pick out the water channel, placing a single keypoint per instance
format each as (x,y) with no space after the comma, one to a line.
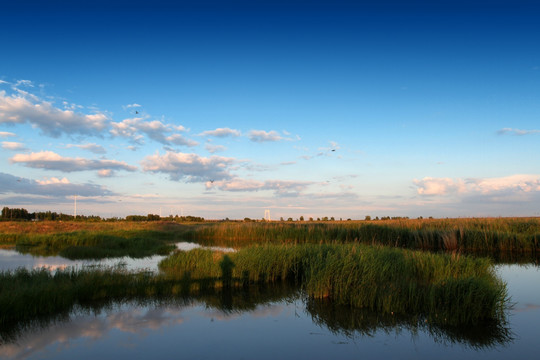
(266,323)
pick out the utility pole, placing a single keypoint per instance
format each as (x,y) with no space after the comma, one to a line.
(267,214)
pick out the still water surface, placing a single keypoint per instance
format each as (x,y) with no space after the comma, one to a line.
(268,324)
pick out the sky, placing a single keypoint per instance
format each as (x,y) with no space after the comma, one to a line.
(305,108)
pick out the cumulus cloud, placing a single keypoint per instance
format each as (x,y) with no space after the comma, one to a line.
(177,139)
(95,148)
(51,161)
(221,132)
(264,136)
(439,186)
(21,108)
(281,187)
(49,187)
(188,167)
(53,180)
(5,134)
(134,128)
(519,132)
(445,186)
(105,173)
(214,148)
(9,145)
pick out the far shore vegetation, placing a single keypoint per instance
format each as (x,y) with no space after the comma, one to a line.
(435,269)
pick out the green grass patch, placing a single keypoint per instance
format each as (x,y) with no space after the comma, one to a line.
(444,288)
(94,244)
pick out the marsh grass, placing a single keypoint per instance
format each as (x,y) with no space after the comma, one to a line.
(464,235)
(33,300)
(338,319)
(444,288)
(94,244)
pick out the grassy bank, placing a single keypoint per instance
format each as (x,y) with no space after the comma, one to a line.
(75,240)
(98,243)
(443,288)
(465,235)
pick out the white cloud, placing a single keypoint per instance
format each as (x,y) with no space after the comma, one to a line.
(5,134)
(51,161)
(518,132)
(439,186)
(188,167)
(50,188)
(53,180)
(177,139)
(105,173)
(26,83)
(133,128)
(523,183)
(214,148)
(263,136)
(95,148)
(281,187)
(9,145)
(18,109)
(446,186)
(133,106)
(221,132)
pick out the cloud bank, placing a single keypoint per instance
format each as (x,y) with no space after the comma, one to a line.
(51,161)
(49,187)
(189,167)
(25,108)
(221,132)
(166,134)
(520,183)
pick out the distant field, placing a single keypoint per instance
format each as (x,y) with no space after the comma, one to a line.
(489,235)
(520,235)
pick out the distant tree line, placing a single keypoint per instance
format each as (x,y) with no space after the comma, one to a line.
(16,214)
(368,218)
(153,217)
(23,214)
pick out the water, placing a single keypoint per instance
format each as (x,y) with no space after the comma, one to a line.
(10,259)
(270,323)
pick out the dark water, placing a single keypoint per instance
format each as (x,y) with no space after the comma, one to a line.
(275,322)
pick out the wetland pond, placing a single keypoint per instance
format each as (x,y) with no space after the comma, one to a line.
(264,322)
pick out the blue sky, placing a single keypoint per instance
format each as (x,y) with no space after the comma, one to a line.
(313,108)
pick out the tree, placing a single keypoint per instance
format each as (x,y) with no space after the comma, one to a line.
(368,218)
(301,218)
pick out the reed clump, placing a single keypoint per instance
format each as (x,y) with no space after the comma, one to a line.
(94,244)
(521,235)
(443,288)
